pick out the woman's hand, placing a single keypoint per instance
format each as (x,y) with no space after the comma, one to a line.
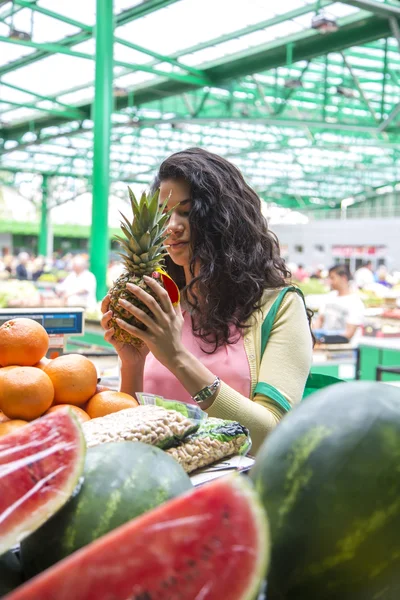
(128,354)
(163,336)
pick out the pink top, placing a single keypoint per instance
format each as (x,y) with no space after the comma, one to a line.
(228,362)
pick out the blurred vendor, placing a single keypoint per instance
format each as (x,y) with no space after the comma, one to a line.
(79,287)
(341,316)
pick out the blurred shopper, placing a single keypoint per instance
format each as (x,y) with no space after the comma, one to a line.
(342,314)
(21,270)
(38,267)
(79,287)
(383,277)
(300,274)
(318,273)
(364,276)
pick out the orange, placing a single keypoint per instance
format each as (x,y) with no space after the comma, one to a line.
(109,402)
(42,363)
(25,393)
(3,417)
(78,412)
(22,342)
(74,378)
(11,426)
(101,388)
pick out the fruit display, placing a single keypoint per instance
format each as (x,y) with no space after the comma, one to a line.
(15,293)
(143,254)
(329,479)
(25,392)
(211,543)
(22,342)
(40,466)
(122,481)
(11,425)
(74,378)
(107,402)
(80,414)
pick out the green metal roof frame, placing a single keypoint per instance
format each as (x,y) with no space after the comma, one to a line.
(300,147)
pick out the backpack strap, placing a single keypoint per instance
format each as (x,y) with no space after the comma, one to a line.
(270,317)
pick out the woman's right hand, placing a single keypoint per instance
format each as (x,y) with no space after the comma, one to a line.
(128,353)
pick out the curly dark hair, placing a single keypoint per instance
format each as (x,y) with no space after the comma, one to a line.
(239,256)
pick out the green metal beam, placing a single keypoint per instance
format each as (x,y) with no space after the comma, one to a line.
(60,49)
(102,111)
(307,45)
(69,114)
(378,8)
(44,215)
(36,95)
(54,15)
(90,29)
(131,14)
(298,12)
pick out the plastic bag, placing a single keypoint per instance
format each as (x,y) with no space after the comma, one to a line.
(191,411)
(214,440)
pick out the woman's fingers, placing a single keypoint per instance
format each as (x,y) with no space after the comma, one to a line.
(162,293)
(106,319)
(136,312)
(139,333)
(105,303)
(147,300)
(108,336)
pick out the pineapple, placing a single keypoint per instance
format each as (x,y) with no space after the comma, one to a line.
(143,254)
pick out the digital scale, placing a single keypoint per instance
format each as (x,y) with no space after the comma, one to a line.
(58,322)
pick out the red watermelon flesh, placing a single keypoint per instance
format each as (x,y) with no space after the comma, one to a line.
(40,466)
(209,544)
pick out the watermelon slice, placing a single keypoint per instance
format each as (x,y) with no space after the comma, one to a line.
(208,544)
(40,466)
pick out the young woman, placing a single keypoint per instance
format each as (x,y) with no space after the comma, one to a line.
(228,267)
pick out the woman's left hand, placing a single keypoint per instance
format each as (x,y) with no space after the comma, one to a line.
(163,336)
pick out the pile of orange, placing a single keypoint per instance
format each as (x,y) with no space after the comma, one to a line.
(31,385)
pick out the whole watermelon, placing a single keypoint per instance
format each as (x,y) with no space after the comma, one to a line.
(10,573)
(122,481)
(329,477)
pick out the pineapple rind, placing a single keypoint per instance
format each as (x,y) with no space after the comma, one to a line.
(119,291)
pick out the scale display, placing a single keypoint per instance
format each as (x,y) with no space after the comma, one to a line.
(55,323)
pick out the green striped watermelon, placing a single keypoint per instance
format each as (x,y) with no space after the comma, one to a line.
(122,481)
(10,573)
(211,543)
(329,477)
(40,466)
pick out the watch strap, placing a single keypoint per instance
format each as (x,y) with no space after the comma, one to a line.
(207,391)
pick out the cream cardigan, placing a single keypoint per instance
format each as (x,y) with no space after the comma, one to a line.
(283,369)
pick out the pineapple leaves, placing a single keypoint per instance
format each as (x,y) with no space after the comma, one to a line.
(153,204)
(145,241)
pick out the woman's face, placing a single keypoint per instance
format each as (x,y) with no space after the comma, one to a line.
(178,240)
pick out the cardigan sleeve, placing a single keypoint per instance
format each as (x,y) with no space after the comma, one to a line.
(283,373)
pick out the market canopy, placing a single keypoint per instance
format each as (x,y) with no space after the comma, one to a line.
(303,96)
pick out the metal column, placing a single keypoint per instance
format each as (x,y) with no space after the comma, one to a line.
(44,215)
(102,110)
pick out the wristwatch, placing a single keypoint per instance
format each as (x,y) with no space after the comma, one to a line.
(207,391)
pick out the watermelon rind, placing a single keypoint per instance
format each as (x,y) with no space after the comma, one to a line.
(122,480)
(10,573)
(263,550)
(60,495)
(211,543)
